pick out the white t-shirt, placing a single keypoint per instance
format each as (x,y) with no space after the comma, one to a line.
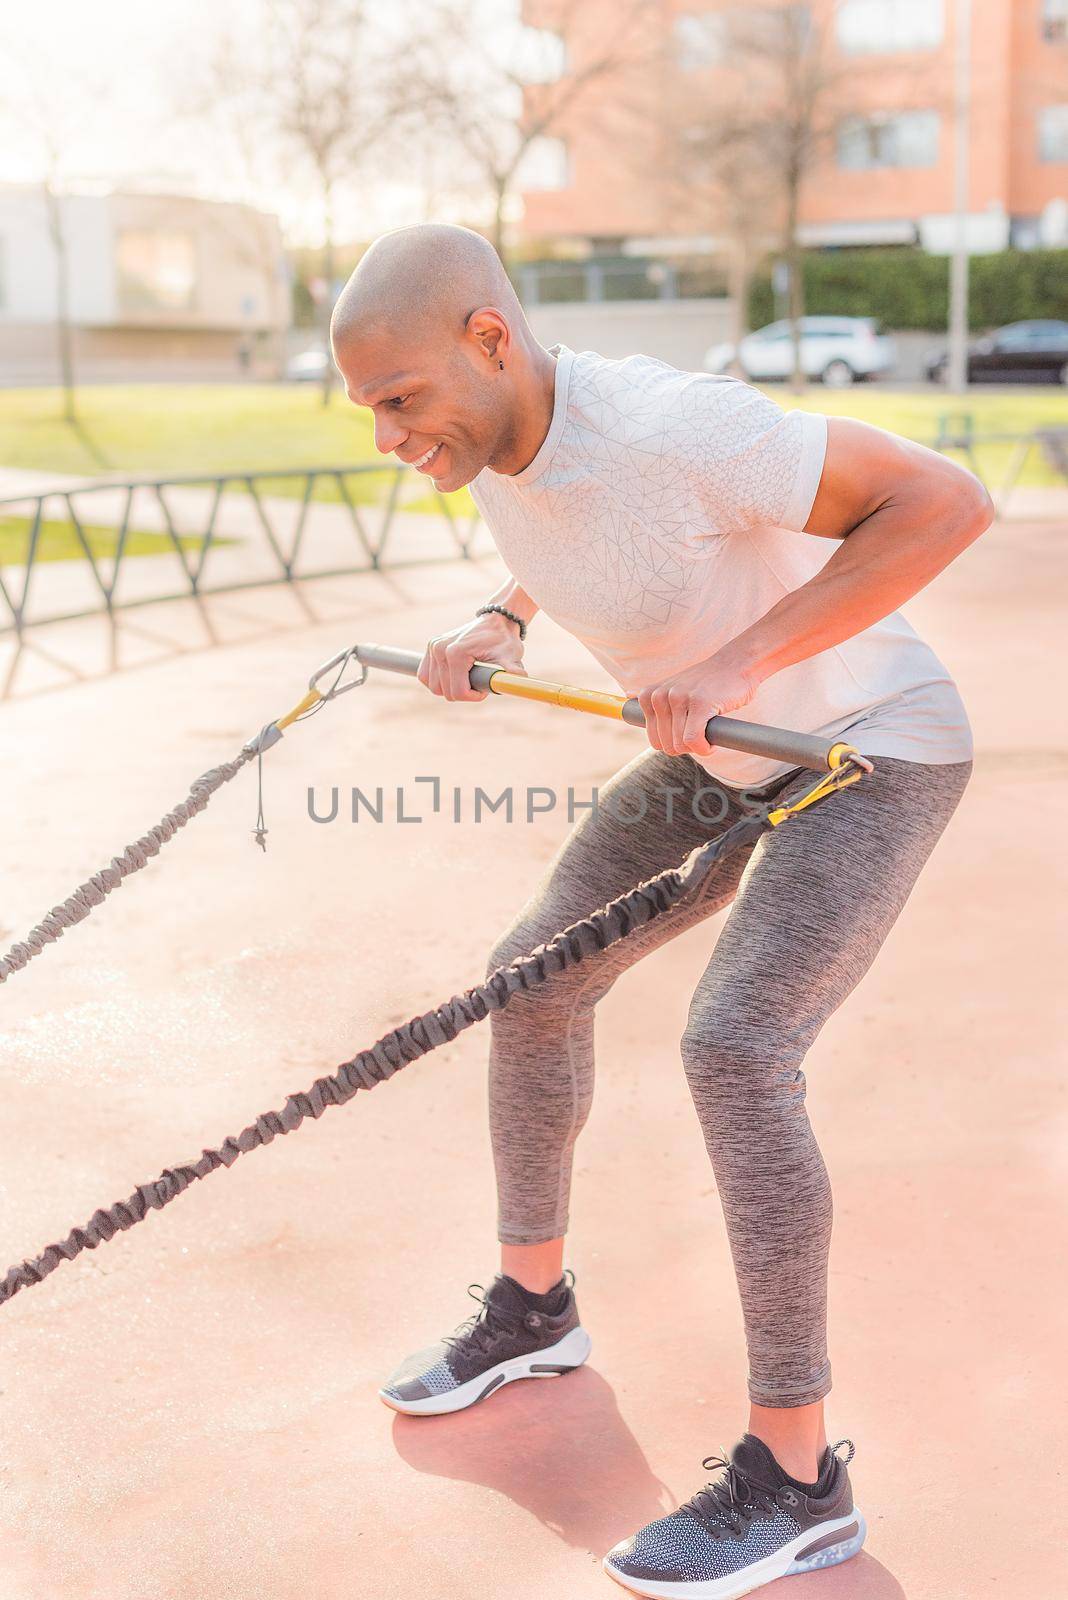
(662,516)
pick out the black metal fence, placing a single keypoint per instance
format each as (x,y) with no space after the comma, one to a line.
(200,518)
(257,504)
(957,434)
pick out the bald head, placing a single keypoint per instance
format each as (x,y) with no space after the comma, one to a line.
(428,333)
(422,282)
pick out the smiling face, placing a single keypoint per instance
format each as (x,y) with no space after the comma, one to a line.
(440,404)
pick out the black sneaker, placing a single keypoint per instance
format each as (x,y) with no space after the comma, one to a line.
(753,1525)
(515,1335)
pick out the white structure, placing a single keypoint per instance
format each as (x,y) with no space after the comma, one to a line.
(154,282)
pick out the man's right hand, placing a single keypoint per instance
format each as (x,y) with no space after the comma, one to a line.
(447,661)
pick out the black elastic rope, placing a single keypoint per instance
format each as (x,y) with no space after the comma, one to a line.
(137,855)
(411,1040)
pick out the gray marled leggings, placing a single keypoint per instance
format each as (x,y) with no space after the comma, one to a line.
(813,901)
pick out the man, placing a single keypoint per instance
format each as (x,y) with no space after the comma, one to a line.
(712,552)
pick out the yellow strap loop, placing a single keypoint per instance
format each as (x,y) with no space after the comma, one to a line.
(846,771)
(310,699)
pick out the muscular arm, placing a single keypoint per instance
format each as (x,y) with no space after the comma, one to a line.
(900,512)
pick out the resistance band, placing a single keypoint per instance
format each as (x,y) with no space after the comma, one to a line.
(839,763)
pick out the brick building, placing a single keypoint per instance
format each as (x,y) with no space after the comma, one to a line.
(606,179)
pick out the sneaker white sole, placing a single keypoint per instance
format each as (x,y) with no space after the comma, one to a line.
(568,1352)
(811,1550)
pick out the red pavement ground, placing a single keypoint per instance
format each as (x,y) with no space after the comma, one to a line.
(190,1411)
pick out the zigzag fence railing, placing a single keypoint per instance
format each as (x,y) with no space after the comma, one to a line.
(955,435)
(194,534)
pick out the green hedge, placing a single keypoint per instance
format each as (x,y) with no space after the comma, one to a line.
(910,289)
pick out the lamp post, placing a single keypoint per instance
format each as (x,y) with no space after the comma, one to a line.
(958,273)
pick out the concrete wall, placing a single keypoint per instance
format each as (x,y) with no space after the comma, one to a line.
(28,259)
(240,279)
(232,322)
(29,354)
(239,268)
(678,331)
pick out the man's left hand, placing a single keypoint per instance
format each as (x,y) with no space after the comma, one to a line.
(678,708)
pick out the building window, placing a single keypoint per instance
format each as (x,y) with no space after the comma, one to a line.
(1055,21)
(545,164)
(541,56)
(157,271)
(712,38)
(1053,133)
(880,27)
(892,139)
(700,40)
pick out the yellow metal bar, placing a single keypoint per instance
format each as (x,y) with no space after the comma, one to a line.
(310,699)
(558,694)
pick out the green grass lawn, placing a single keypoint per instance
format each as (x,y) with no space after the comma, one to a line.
(916,414)
(175,429)
(162,430)
(58,542)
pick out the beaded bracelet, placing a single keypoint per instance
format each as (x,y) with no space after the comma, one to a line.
(521,625)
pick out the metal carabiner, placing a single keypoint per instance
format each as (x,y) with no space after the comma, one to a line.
(340,660)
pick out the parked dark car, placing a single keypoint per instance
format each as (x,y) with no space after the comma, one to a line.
(1022,352)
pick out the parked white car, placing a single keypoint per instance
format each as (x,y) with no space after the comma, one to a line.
(308,367)
(837,349)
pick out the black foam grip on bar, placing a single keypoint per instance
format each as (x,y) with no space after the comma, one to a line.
(777,744)
(756,739)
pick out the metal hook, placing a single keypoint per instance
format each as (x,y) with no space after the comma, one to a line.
(341,660)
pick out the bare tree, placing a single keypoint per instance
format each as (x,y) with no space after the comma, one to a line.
(732,197)
(40,117)
(501,86)
(216,89)
(64,341)
(791,128)
(324,88)
(745,124)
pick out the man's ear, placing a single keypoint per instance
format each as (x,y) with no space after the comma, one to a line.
(490,332)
